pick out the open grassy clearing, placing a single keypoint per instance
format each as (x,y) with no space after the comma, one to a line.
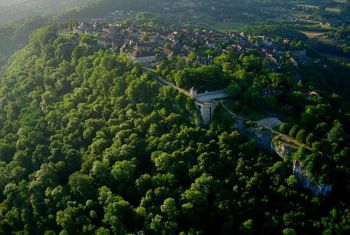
(336,58)
(324,44)
(231,26)
(333,10)
(307,6)
(313,34)
(328,41)
(303,15)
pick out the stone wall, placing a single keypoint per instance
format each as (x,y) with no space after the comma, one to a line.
(207,111)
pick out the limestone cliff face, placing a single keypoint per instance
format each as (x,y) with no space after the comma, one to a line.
(283,150)
(305,178)
(266,140)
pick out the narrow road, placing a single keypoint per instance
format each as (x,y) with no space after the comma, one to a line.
(285,137)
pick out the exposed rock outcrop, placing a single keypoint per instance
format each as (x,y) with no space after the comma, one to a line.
(267,140)
(305,177)
(283,150)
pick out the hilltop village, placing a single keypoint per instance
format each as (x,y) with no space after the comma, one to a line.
(204,60)
(151,45)
(167,49)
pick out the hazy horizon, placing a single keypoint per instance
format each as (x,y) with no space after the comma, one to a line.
(12,10)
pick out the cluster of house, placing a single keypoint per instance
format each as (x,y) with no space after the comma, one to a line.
(151,45)
(276,51)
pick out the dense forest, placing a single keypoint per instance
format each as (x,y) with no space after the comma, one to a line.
(90,144)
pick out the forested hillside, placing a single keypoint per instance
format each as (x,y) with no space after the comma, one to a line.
(92,145)
(18,19)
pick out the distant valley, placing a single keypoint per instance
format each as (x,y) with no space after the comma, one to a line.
(20,9)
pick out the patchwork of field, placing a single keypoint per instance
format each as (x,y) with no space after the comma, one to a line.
(231,26)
